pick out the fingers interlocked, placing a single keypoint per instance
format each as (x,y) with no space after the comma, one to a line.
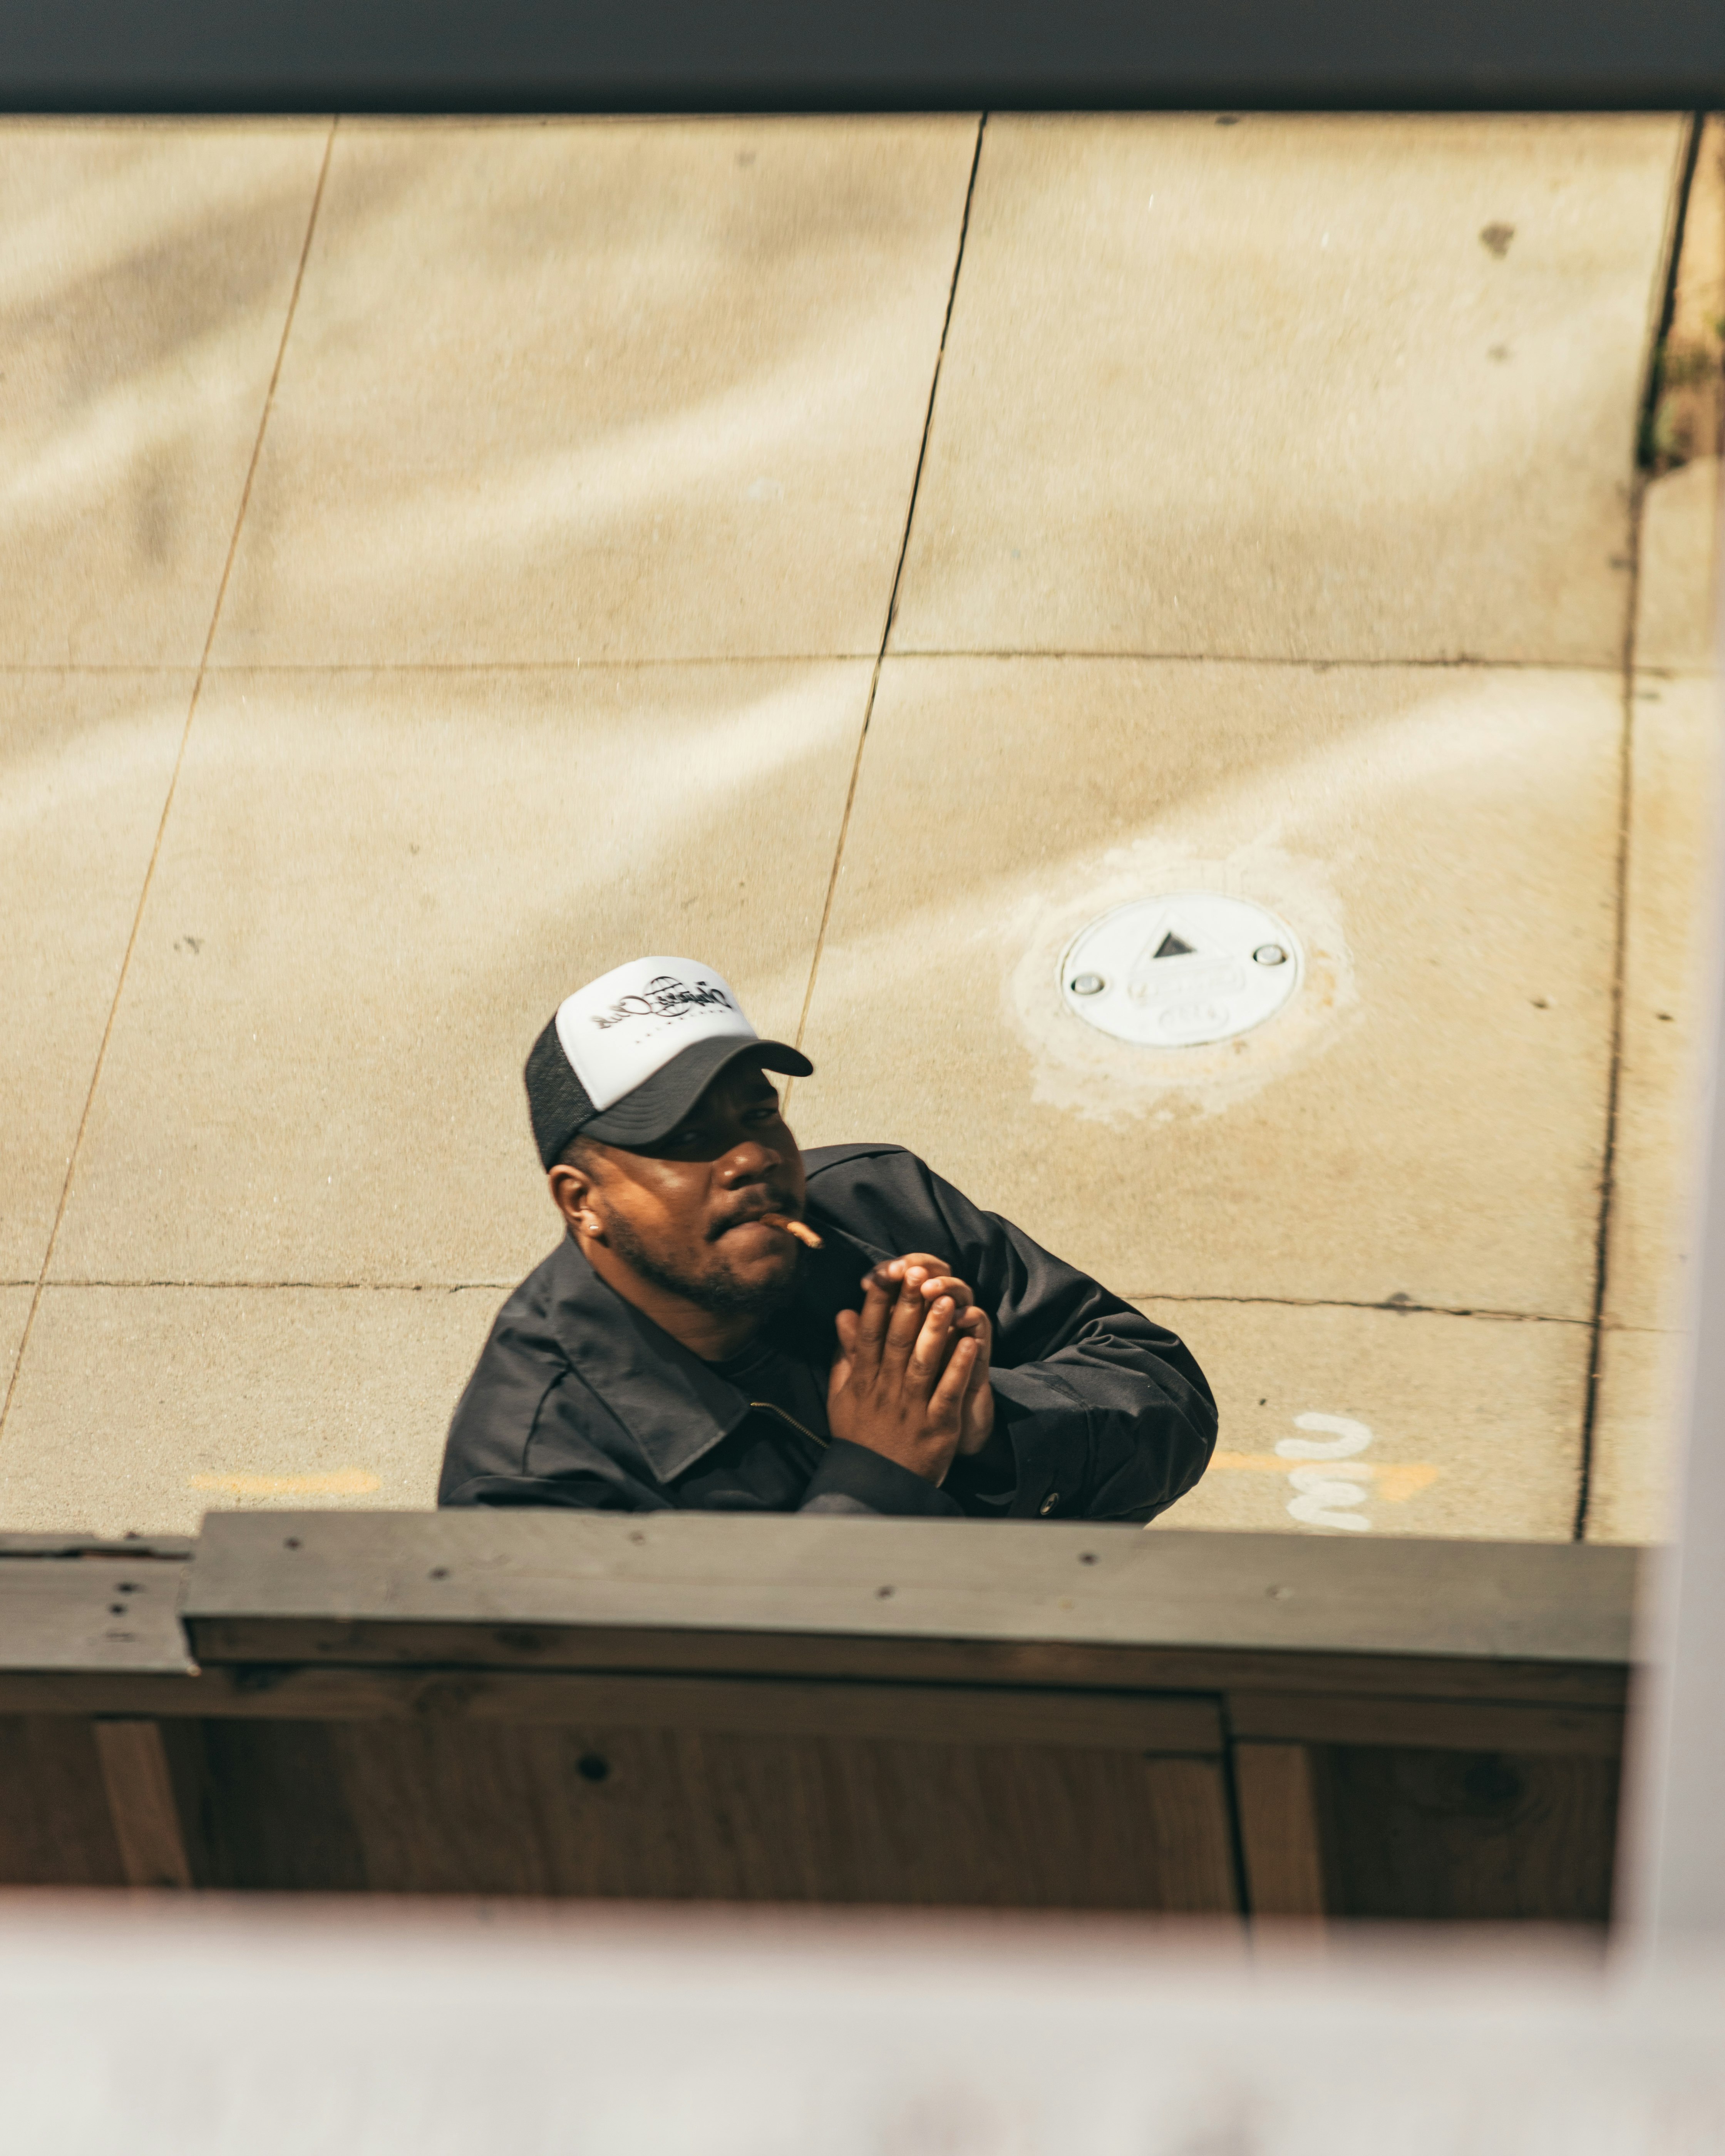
(905,1364)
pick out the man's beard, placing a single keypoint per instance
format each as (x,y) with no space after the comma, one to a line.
(715,1289)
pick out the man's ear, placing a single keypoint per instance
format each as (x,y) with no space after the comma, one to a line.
(573,1192)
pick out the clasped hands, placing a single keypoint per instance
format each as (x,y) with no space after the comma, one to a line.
(910,1378)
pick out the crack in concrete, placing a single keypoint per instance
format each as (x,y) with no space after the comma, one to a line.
(1398,1305)
(1468,662)
(1683,182)
(879,656)
(201,675)
(321,1286)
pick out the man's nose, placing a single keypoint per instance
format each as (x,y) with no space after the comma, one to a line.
(748,1160)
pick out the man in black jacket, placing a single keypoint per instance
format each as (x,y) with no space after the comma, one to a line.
(730,1325)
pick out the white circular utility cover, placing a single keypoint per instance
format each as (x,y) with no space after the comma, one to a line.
(1177,971)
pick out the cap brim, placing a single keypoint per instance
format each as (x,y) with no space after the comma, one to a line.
(659,1103)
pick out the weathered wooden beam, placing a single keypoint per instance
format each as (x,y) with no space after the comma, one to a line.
(92,1612)
(1026,1604)
(1435,1725)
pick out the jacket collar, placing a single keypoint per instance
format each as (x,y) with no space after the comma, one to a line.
(674,1406)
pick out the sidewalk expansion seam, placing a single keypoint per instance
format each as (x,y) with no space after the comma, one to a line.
(1396,1308)
(904,548)
(318,1287)
(1471,661)
(245,495)
(1684,181)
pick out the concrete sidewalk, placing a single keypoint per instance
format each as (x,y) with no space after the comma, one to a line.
(445,559)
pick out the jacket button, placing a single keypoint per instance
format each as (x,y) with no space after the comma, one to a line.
(1049,1501)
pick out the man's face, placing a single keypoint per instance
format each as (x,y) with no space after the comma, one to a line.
(684,1213)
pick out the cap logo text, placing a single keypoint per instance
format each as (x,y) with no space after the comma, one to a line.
(664,996)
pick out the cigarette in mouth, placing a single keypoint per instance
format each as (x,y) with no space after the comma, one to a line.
(804,1235)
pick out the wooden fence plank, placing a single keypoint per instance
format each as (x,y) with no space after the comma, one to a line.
(1281,1829)
(695,1815)
(1484,1837)
(144,1804)
(55,1829)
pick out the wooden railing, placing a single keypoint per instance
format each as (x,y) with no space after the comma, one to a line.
(837,1710)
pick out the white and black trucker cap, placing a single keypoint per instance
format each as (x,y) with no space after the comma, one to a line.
(627,1056)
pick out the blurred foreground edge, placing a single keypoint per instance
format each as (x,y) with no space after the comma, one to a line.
(221,2025)
(767,55)
(781,1711)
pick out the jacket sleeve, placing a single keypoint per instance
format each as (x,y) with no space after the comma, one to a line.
(528,1432)
(1107,1415)
(852,1478)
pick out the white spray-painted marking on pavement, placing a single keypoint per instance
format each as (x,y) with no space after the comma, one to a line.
(1324,1492)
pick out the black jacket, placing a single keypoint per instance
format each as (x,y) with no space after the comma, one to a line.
(579,1399)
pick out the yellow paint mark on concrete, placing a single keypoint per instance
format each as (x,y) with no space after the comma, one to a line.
(345,1482)
(1394,1481)
(1398,1479)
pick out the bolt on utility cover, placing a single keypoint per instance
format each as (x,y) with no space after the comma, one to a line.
(1181,970)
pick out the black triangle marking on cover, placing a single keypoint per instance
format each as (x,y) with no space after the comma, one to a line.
(1172,946)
